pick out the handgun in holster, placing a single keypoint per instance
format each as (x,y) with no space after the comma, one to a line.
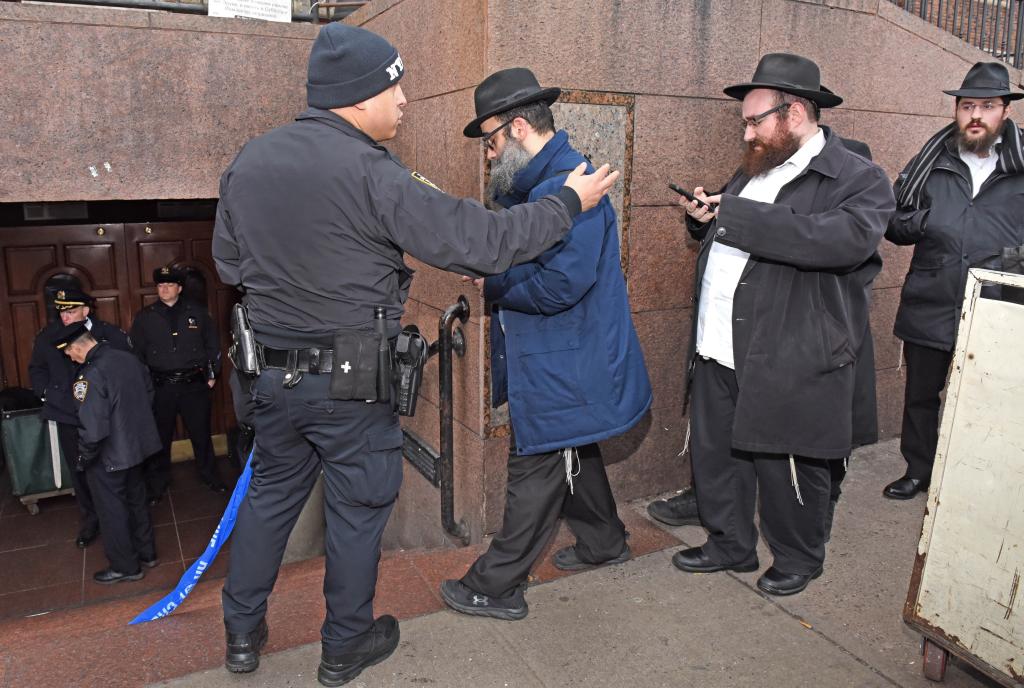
(242,351)
(411,353)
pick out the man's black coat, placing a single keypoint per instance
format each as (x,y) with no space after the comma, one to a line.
(801,335)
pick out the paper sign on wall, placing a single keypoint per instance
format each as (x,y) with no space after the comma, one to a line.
(269,10)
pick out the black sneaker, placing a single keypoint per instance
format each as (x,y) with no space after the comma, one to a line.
(566,559)
(680,510)
(110,576)
(372,647)
(243,649)
(463,599)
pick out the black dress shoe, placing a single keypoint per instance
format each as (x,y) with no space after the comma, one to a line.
(775,582)
(243,651)
(566,559)
(905,488)
(216,486)
(86,538)
(372,647)
(110,576)
(695,560)
(680,510)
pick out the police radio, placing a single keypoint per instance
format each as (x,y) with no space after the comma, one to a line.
(411,353)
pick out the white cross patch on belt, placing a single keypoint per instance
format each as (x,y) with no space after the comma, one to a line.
(345,367)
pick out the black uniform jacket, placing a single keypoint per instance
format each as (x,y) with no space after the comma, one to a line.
(801,337)
(115,398)
(181,337)
(52,372)
(952,232)
(314,218)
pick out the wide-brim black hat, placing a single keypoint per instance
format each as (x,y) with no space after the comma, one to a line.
(986,80)
(788,73)
(504,90)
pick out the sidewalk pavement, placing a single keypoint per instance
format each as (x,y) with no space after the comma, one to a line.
(644,623)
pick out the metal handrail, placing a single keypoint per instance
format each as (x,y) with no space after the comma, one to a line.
(995,26)
(202,8)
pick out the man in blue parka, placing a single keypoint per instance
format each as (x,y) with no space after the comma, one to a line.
(564,355)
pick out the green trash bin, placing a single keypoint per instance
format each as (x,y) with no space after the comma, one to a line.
(35,464)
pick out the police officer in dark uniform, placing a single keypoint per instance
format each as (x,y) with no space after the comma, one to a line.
(51,373)
(312,224)
(117,432)
(177,340)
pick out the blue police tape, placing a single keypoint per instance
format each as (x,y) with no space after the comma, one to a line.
(188,581)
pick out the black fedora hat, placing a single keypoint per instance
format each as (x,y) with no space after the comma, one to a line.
(986,80)
(503,91)
(791,74)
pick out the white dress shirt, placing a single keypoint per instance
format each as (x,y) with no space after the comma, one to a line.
(981,168)
(725,263)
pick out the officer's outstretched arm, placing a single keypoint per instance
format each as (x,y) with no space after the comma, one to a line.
(462,235)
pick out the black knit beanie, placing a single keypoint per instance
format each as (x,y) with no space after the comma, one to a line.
(348,65)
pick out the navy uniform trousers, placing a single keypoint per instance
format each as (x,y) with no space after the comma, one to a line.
(120,498)
(727,481)
(88,522)
(299,432)
(536,495)
(193,400)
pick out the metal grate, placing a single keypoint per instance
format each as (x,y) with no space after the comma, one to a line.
(995,26)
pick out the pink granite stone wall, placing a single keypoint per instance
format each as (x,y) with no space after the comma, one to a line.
(168,99)
(165,99)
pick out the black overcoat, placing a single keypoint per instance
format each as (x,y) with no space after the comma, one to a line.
(801,334)
(951,233)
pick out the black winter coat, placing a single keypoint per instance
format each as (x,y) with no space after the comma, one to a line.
(52,372)
(801,336)
(951,233)
(115,397)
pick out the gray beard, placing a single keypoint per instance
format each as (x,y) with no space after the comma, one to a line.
(505,168)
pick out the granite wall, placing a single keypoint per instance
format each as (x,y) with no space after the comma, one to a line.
(168,99)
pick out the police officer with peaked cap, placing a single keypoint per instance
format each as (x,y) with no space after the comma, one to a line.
(113,392)
(177,340)
(51,373)
(313,221)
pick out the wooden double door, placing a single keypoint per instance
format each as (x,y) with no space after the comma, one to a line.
(114,263)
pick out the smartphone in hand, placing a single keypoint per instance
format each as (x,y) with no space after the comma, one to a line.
(689,196)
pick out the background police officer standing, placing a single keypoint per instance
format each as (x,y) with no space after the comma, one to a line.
(51,373)
(117,432)
(177,340)
(312,224)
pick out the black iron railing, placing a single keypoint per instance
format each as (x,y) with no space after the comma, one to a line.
(318,13)
(995,26)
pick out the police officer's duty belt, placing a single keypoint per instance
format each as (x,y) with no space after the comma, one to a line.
(315,361)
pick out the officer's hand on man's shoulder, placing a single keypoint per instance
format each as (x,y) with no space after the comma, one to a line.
(591,188)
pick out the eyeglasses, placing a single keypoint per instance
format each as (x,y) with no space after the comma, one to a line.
(986,107)
(756,120)
(488,141)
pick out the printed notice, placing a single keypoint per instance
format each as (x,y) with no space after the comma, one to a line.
(269,10)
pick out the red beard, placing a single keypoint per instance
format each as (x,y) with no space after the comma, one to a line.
(762,154)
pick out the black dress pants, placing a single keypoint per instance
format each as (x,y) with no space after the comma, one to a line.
(927,370)
(120,498)
(190,400)
(88,522)
(535,496)
(727,482)
(299,433)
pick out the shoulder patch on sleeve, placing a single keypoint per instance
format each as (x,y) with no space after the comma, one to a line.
(423,180)
(79,390)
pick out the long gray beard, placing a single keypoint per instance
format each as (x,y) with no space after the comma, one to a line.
(505,168)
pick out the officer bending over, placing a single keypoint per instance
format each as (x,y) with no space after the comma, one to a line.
(313,221)
(117,433)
